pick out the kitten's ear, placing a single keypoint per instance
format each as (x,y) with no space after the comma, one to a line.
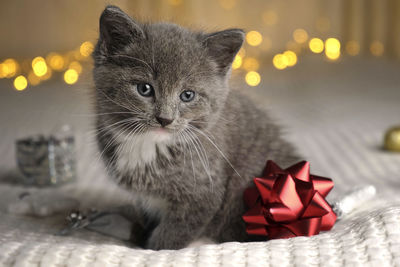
(117,29)
(222,47)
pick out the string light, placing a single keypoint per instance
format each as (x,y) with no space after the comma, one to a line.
(316,45)
(237,62)
(253,78)
(20,83)
(280,61)
(86,49)
(376,48)
(47,76)
(71,76)
(251,64)
(9,68)
(254,38)
(300,36)
(33,79)
(55,61)
(39,66)
(291,58)
(332,48)
(352,48)
(75,65)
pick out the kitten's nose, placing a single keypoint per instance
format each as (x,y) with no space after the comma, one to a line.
(164,121)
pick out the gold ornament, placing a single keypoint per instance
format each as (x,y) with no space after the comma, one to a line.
(392,139)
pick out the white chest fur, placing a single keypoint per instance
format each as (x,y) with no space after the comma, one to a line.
(140,150)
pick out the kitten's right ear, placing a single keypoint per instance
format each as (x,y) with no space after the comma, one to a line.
(117,29)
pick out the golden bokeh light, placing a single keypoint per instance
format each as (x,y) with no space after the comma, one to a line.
(332,48)
(86,49)
(251,64)
(254,38)
(33,79)
(9,68)
(20,83)
(39,66)
(291,58)
(253,78)
(71,76)
(227,4)
(75,65)
(237,62)
(316,45)
(352,48)
(280,61)
(55,61)
(300,36)
(270,17)
(377,48)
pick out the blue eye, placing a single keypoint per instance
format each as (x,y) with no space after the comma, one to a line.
(187,96)
(145,89)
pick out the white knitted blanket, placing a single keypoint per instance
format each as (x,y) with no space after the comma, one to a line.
(337,122)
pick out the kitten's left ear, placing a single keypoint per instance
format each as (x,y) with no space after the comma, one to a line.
(222,47)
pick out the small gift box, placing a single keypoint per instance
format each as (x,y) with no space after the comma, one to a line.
(47,161)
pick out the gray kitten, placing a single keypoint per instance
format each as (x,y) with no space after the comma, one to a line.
(173,133)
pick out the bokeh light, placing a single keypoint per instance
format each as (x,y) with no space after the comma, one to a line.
(55,61)
(86,49)
(9,68)
(291,58)
(71,76)
(20,83)
(316,45)
(39,66)
(227,4)
(332,48)
(254,38)
(75,65)
(352,48)
(280,61)
(300,36)
(33,79)
(377,48)
(237,62)
(251,64)
(270,17)
(253,78)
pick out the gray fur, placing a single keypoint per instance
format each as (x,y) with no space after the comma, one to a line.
(189,182)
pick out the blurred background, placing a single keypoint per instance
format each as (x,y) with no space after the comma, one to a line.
(42,40)
(327,70)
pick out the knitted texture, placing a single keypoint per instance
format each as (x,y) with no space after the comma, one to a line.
(337,124)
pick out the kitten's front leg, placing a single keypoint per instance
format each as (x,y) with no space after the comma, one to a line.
(180,227)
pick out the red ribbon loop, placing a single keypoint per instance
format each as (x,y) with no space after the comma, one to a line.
(288,203)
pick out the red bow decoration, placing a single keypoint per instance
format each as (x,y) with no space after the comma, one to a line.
(288,203)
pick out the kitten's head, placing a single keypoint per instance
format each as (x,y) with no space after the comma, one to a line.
(161,78)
